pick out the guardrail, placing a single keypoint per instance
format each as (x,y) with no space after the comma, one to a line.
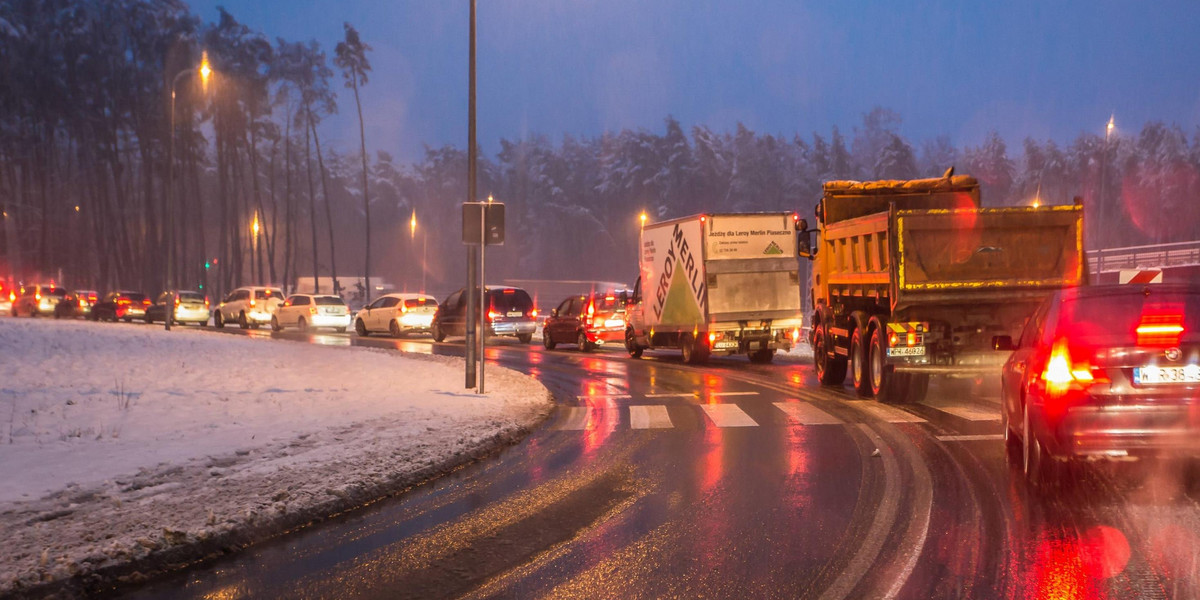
(1144,257)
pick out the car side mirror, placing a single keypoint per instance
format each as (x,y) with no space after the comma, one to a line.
(554,312)
(1003,343)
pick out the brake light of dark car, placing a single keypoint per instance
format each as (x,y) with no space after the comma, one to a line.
(491,315)
(145,302)
(82,303)
(91,298)
(1160,330)
(533,313)
(123,301)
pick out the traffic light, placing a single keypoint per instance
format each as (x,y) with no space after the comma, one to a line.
(206,265)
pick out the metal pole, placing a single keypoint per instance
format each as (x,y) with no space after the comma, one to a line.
(169,311)
(483,325)
(471,197)
(469,316)
(424,253)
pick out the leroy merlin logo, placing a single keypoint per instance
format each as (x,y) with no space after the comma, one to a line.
(773,248)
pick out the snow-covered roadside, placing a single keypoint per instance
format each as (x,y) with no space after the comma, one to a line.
(126,448)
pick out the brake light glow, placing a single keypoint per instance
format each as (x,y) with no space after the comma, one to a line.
(403,307)
(492,315)
(893,339)
(795,335)
(1062,371)
(1160,330)
(712,337)
(38,296)
(145,302)
(912,339)
(591,310)
(176,301)
(533,313)
(251,300)
(206,302)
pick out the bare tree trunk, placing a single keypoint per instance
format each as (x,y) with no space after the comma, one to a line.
(328,210)
(312,203)
(362,138)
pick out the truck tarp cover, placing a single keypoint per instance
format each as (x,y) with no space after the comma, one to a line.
(989,248)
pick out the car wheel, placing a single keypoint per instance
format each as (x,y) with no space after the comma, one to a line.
(438,334)
(218,319)
(860,369)
(275,323)
(394,329)
(1035,464)
(524,338)
(302,325)
(243,322)
(1012,443)
(831,370)
(583,343)
(631,345)
(547,341)
(361,328)
(128,319)
(762,356)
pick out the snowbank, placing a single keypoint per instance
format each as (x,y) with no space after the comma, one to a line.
(127,447)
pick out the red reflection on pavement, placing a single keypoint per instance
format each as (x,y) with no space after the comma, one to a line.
(1076,567)
(602,417)
(798,484)
(712,464)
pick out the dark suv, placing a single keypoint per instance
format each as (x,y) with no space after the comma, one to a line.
(587,321)
(509,312)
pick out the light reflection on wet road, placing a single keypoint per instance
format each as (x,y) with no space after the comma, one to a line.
(657,479)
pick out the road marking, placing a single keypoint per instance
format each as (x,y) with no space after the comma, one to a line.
(964,410)
(604,397)
(574,419)
(673,395)
(886,413)
(728,415)
(807,414)
(649,417)
(719,394)
(971,438)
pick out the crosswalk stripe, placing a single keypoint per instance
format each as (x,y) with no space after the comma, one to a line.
(807,414)
(971,438)
(728,415)
(720,394)
(673,395)
(649,417)
(575,418)
(886,413)
(968,411)
(604,397)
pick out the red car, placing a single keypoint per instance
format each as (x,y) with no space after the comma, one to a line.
(1104,372)
(586,321)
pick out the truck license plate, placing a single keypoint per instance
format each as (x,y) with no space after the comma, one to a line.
(907,351)
(725,345)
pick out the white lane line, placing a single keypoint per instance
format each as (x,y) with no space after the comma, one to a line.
(728,415)
(604,397)
(971,438)
(913,542)
(649,417)
(719,394)
(965,410)
(886,413)
(673,395)
(807,414)
(575,419)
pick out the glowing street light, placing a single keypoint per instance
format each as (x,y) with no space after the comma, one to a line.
(254,228)
(412,224)
(1109,128)
(642,217)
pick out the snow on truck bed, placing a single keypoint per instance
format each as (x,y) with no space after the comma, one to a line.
(121,443)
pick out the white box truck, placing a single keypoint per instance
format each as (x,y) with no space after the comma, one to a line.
(721,283)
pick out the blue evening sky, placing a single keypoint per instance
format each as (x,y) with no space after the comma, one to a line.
(1047,69)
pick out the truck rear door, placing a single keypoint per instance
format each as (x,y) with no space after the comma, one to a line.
(752,267)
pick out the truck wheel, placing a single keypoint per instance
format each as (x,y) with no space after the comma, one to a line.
(831,370)
(860,369)
(631,346)
(693,352)
(886,386)
(762,357)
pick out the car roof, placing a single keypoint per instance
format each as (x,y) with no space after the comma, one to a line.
(408,296)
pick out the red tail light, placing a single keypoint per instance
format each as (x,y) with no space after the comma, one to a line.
(38,296)
(177,301)
(1064,372)
(206,302)
(492,315)
(533,313)
(403,307)
(251,300)
(82,303)
(123,302)
(145,302)
(91,298)
(796,335)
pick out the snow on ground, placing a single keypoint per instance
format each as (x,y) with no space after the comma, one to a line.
(124,445)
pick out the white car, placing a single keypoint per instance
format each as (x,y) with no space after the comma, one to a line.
(311,310)
(249,307)
(396,314)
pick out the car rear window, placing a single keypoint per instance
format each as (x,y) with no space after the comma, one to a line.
(264,294)
(190,296)
(511,300)
(420,302)
(135,297)
(58,292)
(329,301)
(1114,319)
(608,303)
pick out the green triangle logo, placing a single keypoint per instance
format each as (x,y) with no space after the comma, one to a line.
(680,307)
(773,248)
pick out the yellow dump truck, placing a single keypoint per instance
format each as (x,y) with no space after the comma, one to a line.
(914,278)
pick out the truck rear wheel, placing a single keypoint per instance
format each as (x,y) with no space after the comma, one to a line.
(860,368)
(831,370)
(631,345)
(694,352)
(762,357)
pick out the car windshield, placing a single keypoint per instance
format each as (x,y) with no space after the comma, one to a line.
(329,301)
(511,300)
(1130,319)
(264,294)
(420,302)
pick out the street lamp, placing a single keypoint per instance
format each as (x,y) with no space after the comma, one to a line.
(205,72)
(1103,204)
(642,217)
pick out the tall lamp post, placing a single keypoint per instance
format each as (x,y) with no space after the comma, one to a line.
(1104,208)
(205,72)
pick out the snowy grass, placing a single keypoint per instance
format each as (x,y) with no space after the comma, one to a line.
(126,443)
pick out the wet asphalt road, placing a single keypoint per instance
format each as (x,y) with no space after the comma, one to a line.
(655,479)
